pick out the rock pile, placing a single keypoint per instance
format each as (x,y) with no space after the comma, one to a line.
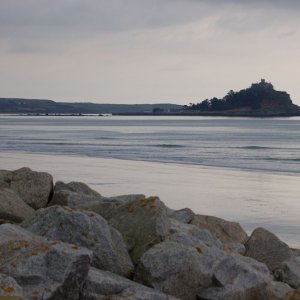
(69,242)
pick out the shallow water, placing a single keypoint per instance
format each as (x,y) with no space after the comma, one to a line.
(258,144)
(238,169)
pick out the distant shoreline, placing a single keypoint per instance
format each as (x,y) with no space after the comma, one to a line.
(165,114)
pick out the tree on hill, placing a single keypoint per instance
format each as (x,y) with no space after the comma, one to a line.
(259,96)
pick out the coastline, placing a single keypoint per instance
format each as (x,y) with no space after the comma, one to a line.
(251,198)
(164,114)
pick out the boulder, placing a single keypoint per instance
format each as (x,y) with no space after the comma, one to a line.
(238,277)
(225,231)
(44,270)
(143,223)
(267,248)
(84,229)
(77,187)
(106,205)
(72,194)
(9,287)
(278,291)
(289,272)
(296,254)
(107,285)
(176,269)
(235,248)
(294,295)
(5,178)
(12,207)
(79,195)
(191,235)
(34,188)
(184,215)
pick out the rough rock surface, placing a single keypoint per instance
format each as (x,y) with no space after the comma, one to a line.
(176,269)
(109,285)
(277,291)
(9,287)
(12,207)
(106,206)
(235,248)
(33,187)
(184,215)
(238,277)
(72,194)
(5,178)
(225,231)
(289,272)
(84,229)
(267,248)
(79,195)
(191,235)
(45,270)
(294,295)
(143,223)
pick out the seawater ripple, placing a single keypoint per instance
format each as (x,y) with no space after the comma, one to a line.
(260,144)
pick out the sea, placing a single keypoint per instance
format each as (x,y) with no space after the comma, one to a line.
(240,169)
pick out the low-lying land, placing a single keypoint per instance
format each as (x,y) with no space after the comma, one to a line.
(66,241)
(259,100)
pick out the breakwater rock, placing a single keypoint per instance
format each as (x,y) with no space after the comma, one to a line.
(67,241)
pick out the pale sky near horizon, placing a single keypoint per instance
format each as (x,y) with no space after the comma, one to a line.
(146,51)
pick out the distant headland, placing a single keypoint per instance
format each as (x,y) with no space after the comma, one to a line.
(259,100)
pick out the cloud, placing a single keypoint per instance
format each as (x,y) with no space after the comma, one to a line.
(36,19)
(141,50)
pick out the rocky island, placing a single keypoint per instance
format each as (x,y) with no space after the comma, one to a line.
(67,241)
(261,99)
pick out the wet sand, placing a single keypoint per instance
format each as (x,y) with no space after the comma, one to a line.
(252,198)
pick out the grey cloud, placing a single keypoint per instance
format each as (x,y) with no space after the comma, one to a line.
(77,17)
(94,15)
(26,24)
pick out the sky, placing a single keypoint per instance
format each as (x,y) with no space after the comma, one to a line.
(147,51)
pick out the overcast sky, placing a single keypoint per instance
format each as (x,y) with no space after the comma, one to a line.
(146,51)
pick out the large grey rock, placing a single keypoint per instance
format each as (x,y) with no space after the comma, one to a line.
(294,295)
(238,278)
(289,272)
(73,194)
(191,235)
(276,290)
(9,287)
(79,195)
(107,285)
(12,207)
(267,248)
(107,205)
(184,215)
(143,223)
(235,248)
(177,269)
(33,187)
(84,229)
(295,252)
(5,178)
(45,270)
(225,231)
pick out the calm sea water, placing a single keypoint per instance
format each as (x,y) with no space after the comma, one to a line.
(240,169)
(259,144)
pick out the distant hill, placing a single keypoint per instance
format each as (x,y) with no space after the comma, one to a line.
(35,106)
(259,99)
